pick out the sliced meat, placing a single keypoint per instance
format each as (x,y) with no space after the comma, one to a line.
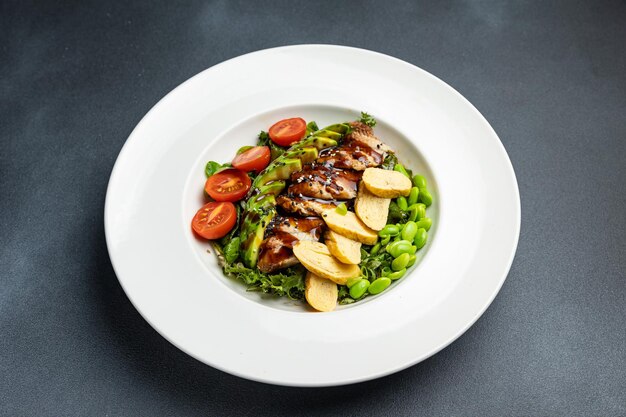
(280,235)
(365,134)
(304,206)
(319,181)
(359,150)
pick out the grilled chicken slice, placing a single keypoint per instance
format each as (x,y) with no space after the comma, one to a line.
(360,149)
(304,206)
(319,181)
(365,134)
(276,250)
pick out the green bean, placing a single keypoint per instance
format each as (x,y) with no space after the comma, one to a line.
(426,197)
(425,223)
(397,275)
(412,259)
(378,285)
(389,230)
(402,203)
(398,248)
(358,288)
(353,281)
(400,168)
(342,209)
(419,181)
(420,238)
(385,271)
(409,230)
(375,249)
(400,262)
(415,192)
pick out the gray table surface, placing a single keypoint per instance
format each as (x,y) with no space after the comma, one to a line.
(76,77)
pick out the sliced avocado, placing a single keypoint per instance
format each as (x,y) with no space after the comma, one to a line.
(318,142)
(252,232)
(342,128)
(329,134)
(305,155)
(280,169)
(273,187)
(261,201)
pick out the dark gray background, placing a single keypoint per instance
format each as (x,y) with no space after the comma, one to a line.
(76,77)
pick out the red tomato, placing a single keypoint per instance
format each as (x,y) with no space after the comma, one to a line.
(254,159)
(227,185)
(288,131)
(214,220)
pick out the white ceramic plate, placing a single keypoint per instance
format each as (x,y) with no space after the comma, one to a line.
(156,187)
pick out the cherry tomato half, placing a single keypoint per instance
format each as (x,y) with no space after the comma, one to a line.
(227,185)
(254,159)
(288,131)
(214,220)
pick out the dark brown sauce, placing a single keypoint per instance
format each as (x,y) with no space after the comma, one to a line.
(333,171)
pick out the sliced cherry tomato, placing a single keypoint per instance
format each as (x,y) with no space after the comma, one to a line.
(254,159)
(288,131)
(214,220)
(227,185)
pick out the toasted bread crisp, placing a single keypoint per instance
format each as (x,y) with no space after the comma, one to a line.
(350,226)
(320,293)
(317,258)
(385,183)
(372,210)
(346,250)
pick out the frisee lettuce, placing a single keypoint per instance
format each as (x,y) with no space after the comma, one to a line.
(367,119)
(289,281)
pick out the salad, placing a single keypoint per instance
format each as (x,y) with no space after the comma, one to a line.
(323,215)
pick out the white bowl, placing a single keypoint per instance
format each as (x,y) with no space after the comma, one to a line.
(156,188)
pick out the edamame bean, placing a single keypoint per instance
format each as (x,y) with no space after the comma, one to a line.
(402,203)
(425,196)
(353,281)
(413,250)
(400,262)
(420,238)
(389,230)
(417,212)
(397,275)
(385,240)
(379,285)
(421,211)
(400,168)
(419,181)
(415,192)
(409,230)
(398,248)
(412,259)
(375,249)
(425,223)
(358,289)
